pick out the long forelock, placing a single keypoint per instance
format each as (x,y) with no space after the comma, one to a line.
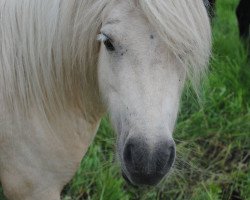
(185,28)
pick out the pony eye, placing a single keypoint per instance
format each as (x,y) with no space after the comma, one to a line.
(107,42)
(109,46)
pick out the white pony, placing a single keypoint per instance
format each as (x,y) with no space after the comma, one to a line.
(65,63)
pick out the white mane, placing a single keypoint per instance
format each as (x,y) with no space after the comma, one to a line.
(49,50)
(182,26)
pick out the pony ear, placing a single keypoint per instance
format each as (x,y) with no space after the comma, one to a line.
(210,6)
(206,3)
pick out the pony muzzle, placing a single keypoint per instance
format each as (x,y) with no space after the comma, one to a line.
(146,164)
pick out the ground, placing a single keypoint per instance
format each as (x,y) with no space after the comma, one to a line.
(213,135)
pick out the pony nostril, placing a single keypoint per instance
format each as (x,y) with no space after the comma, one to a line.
(135,155)
(172,155)
(128,154)
(165,158)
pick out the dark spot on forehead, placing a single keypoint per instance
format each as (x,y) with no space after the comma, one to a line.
(151,36)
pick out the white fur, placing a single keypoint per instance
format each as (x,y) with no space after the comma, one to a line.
(53,92)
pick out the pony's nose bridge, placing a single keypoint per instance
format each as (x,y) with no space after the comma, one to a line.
(140,157)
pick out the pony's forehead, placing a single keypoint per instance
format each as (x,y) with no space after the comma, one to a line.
(117,10)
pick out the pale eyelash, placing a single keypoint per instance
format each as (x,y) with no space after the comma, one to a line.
(102,38)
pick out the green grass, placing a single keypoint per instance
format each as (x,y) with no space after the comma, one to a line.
(213,140)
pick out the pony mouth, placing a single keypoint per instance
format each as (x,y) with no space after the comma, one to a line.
(143,181)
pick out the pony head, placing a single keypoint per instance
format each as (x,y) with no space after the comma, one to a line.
(148,48)
(53,64)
